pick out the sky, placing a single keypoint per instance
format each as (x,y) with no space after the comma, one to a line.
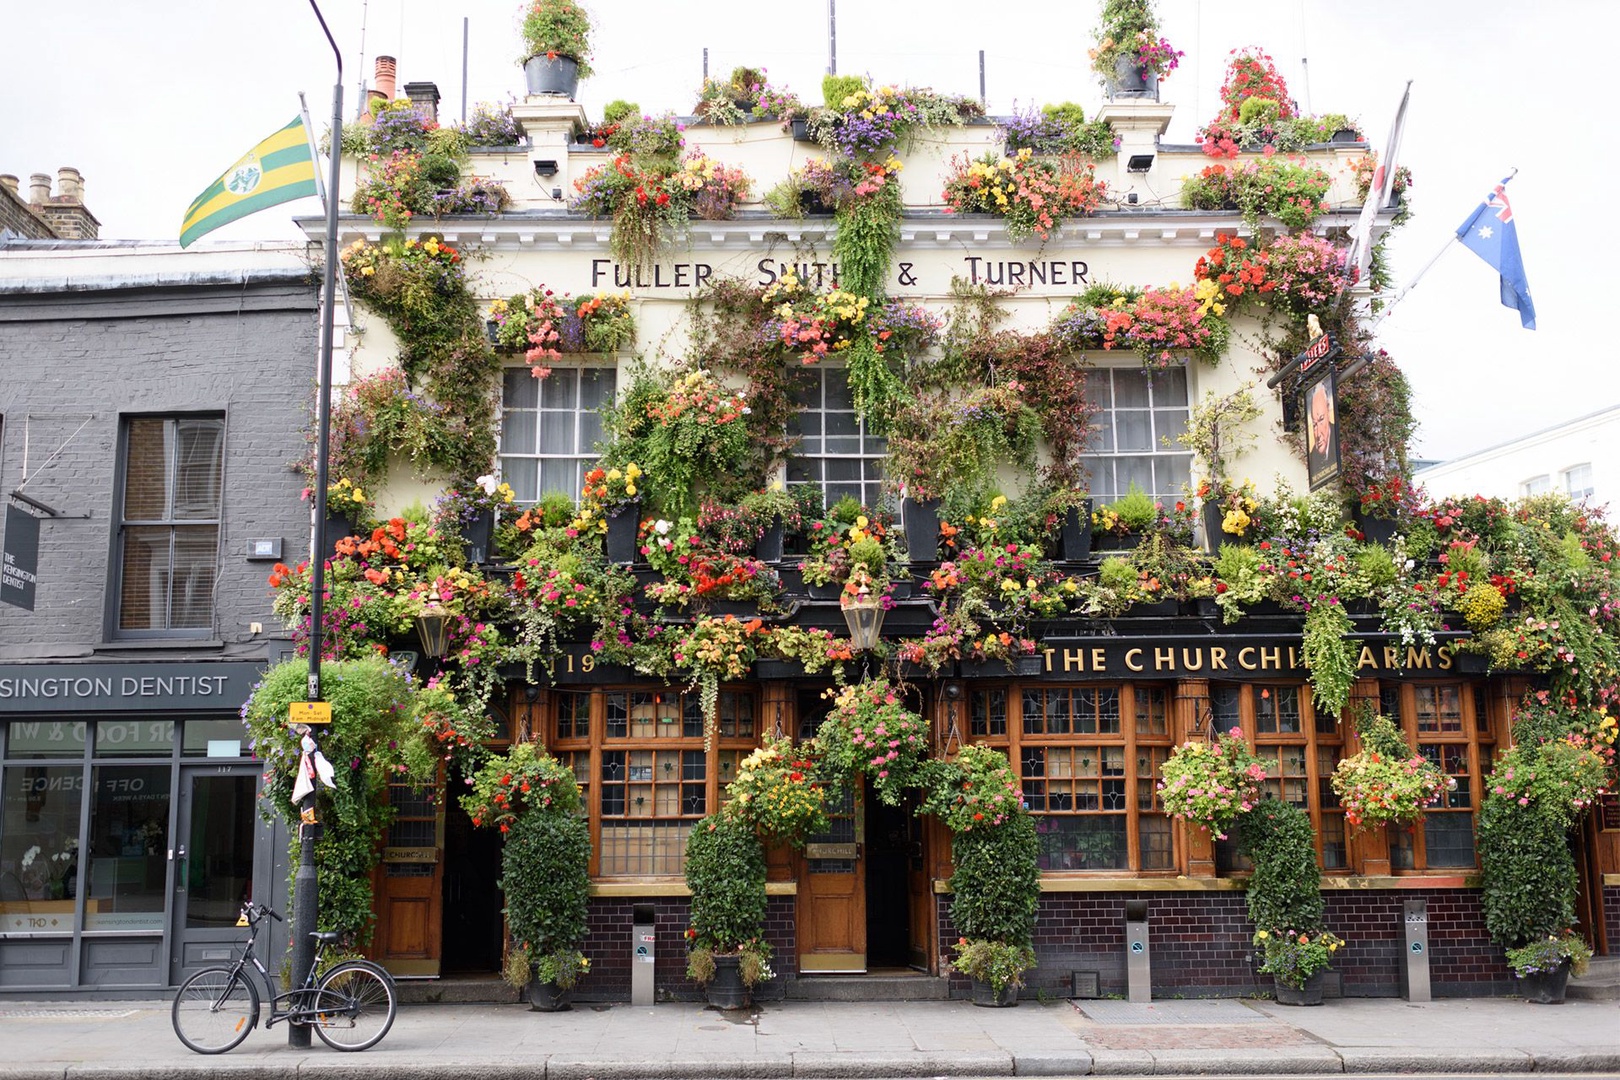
(151,101)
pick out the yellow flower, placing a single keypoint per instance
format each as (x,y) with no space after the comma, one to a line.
(630,489)
(1263,935)
(998,502)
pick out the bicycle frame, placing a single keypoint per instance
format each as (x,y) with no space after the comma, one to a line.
(306,993)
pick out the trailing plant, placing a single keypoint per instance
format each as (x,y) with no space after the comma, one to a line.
(999,963)
(687,431)
(937,442)
(1549,954)
(420,289)
(1129,31)
(1331,654)
(373,740)
(777,793)
(976,790)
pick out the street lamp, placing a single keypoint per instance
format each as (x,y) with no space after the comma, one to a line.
(433,628)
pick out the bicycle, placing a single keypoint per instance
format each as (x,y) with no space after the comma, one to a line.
(351,1007)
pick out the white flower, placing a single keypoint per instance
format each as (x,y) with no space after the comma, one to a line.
(662,527)
(487,482)
(29,856)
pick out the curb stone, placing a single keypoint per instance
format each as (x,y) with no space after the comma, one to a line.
(1052,1063)
(1121,1063)
(1433,1060)
(885,1064)
(560,1068)
(1252,1061)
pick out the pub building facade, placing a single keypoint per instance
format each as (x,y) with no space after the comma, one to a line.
(1086,728)
(158,489)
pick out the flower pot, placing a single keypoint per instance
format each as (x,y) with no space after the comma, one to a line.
(1132,81)
(768,548)
(828,591)
(985,995)
(557,76)
(1213,534)
(547,996)
(1309,994)
(1115,541)
(1033,664)
(476,535)
(1075,534)
(1546,987)
(813,204)
(801,129)
(792,578)
(1376,530)
(1202,607)
(920,520)
(726,990)
(1346,135)
(778,669)
(1158,609)
(622,526)
(337,527)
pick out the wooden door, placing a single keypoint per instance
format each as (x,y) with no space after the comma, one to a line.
(919,895)
(408,884)
(832,894)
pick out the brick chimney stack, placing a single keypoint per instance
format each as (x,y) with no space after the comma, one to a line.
(65,214)
(9,182)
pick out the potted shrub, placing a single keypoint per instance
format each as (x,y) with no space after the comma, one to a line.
(1121,523)
(726,950)
(995,888)
(1285,900)
(556,46)
(534,801)
(1068,510)
(611,501)
(470,514)
(772,513)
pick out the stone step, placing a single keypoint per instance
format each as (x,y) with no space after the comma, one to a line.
(1600,983)
(909,986)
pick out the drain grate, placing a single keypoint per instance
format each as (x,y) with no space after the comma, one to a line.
(65,1014)
(1212,1011)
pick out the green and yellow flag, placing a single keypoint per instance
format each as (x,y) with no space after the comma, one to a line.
(278,170)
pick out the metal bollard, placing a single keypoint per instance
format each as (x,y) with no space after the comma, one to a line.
(1138,977)
(644,952)
(1415,968)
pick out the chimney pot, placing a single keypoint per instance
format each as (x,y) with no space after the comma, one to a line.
(8,182)
(385,76)
(70,184)
(39,189)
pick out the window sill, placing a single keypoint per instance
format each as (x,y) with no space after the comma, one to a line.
(159,644)
(1330,883)
(621,888)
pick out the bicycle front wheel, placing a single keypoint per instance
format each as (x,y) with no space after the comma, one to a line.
(354,1006)
(215,1009)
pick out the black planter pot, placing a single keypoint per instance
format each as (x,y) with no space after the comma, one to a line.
(900,590)
(813,204)
(741,609)
(920,520)
(1546,987)
(1265,608)
(1213,534)
(1376,530)
(1202,607)
(1346,135)
(985,996)
(476,535)
(548,997)
(1130,81)
(768,548)
(1075,535)
(1160,609)
(337,527)
(1034,664)
(801,130)
(792,578)
(829,591)
(622,525)
(727,991)
(1309,994)
(1112,541)
(558,77)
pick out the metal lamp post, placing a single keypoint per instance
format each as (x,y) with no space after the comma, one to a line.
(305,883)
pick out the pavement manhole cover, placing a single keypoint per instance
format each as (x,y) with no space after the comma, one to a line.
(65,1014)
(1170,1012)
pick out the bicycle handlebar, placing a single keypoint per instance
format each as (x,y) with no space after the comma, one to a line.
(255,912)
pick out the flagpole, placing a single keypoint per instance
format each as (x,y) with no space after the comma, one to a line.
(320,189)
(305,884)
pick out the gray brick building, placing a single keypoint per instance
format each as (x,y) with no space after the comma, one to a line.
(152,409)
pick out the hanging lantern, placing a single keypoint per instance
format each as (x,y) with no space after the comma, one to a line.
(433,629)
(862,605)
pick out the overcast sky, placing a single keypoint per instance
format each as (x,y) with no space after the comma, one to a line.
(152,100)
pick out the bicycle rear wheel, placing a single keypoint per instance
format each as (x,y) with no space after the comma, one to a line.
(355,1005)
(215,1009)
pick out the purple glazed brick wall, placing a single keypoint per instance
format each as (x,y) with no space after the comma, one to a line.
(608,945)
(1200,943)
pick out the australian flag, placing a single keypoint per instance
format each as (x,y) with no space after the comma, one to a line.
(1490,233)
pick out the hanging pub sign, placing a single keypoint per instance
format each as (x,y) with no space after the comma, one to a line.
(19,559)
(1322,431)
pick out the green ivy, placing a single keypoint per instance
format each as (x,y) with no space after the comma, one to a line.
(545,878)
(1285,890)
(996,885)
(725,871)
(1527,873)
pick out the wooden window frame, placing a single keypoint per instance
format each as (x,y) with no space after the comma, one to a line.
(1477,735)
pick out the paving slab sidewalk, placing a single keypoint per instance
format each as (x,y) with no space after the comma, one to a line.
(133,1039)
